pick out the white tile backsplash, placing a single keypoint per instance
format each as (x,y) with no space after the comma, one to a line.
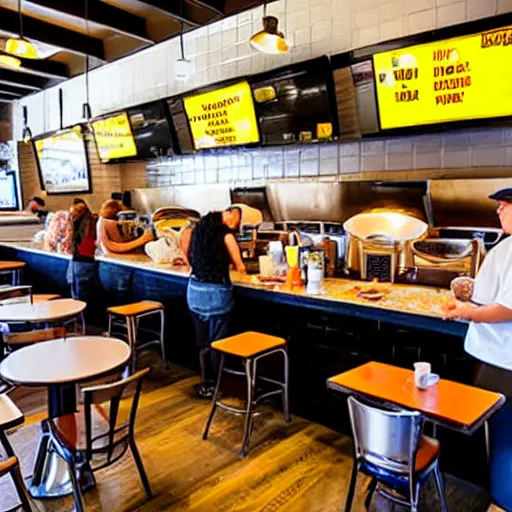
(452,13)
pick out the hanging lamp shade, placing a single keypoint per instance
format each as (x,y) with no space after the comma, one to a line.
(7,61)
(269,40)
(21,48)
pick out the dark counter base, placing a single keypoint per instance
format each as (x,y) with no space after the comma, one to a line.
(324,338)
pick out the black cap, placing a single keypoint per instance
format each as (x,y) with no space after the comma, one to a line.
(505,194)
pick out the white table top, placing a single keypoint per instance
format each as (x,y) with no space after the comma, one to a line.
(62,361)
(41,311)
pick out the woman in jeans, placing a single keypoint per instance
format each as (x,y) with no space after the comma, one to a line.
(82,271)
(211,247)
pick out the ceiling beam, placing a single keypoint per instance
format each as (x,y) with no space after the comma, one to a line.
(100,13)
(217,6)
(173,9)
(6,88)
(6,99)
(13,95)
(25,80)
(48,33)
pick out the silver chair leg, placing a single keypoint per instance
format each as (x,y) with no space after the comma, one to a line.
(351,488)
(487,442)
(214,399)
(109,332)
(132,337)
(415,495)
(286,401)
(162,338)
(251,381)
(82,319)
(440,487)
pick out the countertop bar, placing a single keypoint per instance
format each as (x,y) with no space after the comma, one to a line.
(406,305)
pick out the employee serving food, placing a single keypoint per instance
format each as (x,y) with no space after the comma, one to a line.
(489,339)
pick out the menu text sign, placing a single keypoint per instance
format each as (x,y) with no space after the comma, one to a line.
(114,137)
(224,117)
(456,79)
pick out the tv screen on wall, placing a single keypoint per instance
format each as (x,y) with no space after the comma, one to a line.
(8,191)
(222,117)
(62,162)
(114,137)
(458,79)
(296,103)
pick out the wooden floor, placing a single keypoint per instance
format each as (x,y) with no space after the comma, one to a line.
(295,467)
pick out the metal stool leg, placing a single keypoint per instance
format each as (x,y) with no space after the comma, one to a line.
(251,380)
(132,337)
(82,319)
(286,401)
(162,338)
(109,332)
(214,399)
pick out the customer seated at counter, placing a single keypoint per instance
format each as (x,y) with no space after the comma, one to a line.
(489,339)
(211,248)
(116,236)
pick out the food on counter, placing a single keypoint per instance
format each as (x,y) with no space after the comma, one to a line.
(371,294)
(462,288)
(271,279)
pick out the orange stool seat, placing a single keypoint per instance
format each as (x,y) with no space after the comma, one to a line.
(11,265)
(44,297)
(248,344)
(251,347)
(137,308)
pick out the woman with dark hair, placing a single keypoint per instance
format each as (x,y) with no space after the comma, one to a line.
(82,269)
(211,247)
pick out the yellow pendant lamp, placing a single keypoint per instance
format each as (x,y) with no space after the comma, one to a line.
(18,46)
(7,61)
(269,40)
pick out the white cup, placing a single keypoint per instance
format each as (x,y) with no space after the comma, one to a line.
(422,373)
(267,267)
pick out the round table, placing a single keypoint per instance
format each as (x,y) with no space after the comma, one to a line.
(60,365)
(41,312)
(14,268)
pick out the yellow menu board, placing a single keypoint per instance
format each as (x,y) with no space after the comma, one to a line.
(456,79)
(114,137)
(224,117)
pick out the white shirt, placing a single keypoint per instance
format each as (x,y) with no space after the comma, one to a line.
(492,342)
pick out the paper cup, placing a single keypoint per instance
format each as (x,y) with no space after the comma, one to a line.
(421,373)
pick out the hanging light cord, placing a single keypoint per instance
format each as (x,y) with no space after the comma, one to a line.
(181,32)
(87,56)
(21,19)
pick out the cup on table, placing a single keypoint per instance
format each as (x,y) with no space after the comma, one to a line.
(423,376)
(267,267)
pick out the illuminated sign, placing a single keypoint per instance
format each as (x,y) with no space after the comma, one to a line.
(8,197)
(456,79)
(224,117)
(62,162)
(114,137)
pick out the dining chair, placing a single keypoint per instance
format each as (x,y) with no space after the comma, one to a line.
(11,466)
(390,448)
(94,438)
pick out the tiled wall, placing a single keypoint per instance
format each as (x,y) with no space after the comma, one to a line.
(490,148)
(314,27)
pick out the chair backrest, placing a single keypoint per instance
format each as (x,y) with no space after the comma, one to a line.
(15,295)
(26,338)
(386,439)
(114,441)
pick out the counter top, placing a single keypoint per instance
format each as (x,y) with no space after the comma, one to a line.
(412,299)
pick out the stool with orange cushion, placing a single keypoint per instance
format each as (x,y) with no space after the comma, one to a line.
(250,347)
(45,297)
(14,269)
(128,317)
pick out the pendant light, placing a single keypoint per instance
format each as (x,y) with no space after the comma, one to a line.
(8,61)
(19,46)
(183,67)
(269,40)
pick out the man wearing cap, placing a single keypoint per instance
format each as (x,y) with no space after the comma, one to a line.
(489,339)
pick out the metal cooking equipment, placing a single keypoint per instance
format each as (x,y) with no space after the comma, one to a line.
(378,243)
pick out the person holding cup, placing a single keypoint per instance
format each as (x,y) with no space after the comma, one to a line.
(489,339)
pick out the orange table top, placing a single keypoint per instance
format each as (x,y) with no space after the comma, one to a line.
(448,403)
(11,265)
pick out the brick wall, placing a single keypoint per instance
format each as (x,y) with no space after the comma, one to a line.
(105,178)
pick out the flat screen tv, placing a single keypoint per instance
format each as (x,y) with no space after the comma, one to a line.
(222,117)
(296,103)
(8,191)
(151,130)
(458,79)
(114,137)
(62,162)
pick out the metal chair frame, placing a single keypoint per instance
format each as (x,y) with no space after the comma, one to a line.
(16,275)
(249,412)
(79,460)
(131,325)
(403,467)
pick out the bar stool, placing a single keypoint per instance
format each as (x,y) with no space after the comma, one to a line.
(14,269)
(250,347)
(128,317)
(45,297)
